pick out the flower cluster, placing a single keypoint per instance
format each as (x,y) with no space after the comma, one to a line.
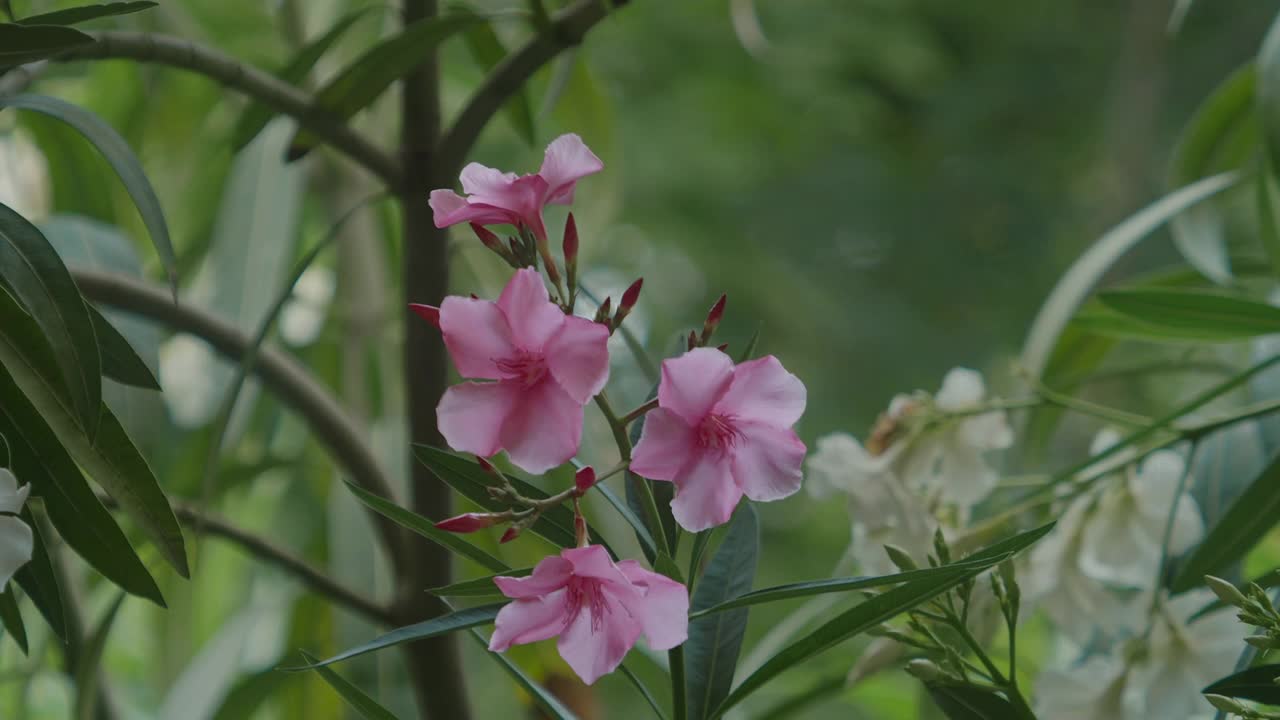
(716,430)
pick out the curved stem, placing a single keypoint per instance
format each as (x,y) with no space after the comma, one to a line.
(257,84)
(281,373)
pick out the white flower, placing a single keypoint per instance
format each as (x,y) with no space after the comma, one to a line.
(1091,690)
(16,541)
(302,318)
(838,465)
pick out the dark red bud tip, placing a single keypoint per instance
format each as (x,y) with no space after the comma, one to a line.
(467,522)
(604,311)
(584,479)
(570,240)
(693,340)
(485,465)
(430,313)
(490,240)
(475,296)
(512,533)
(717,311)
(630,297)
(723,347)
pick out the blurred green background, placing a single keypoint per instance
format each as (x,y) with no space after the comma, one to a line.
(884,188)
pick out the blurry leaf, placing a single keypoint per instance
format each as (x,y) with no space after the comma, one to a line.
(256,116)
(488,51)
(1105,322)
(1268,92)
(73,507)
(479,587)
(966,702)
(84,13)
(1253,513)
(11,618)
(111,459)
(76,172)
(541,696)
(1195,314)
(870,613)
(1256,684)
(1224,464)
(21,44)
(88,666)
(122,159)
(1268,200)
(205,680)
(361,82)
(426,528)
(359,701)
(248,694)
(40,583)
(443,625)
(1228,111)
(714,643)
(34,275)
(1079,280)
(120,361)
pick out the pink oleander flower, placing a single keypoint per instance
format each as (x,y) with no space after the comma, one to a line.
(597,607)
(720,432)
(547,366)
(498,198)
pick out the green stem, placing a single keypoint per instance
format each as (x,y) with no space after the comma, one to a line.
(675,658)
(639,412)
(1009,687)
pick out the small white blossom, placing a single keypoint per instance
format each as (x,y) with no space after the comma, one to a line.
(16,541)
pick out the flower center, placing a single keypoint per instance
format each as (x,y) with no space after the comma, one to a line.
(523,367)
(586,594)
(717,432)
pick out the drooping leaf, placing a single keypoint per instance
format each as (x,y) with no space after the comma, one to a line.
(21,44)
(11,618)
(711,652)
(424,527)
(33,274)
(121,158)
(120,361)
(1256,684)
(545,701)
(443,625)
(357,699)
(1198,314)
(967,702)
(85,13)
(38,580)
(488,51)
(479,588)
(89,663)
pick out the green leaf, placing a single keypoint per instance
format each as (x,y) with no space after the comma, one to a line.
(21,44)
(84,13)
(359,701)
(361,82)
(443,625)
(871,613)
(966,702)
(120,361)
(111,458)
(1255,683)
(642,532)
(73,507)
(1083,275)
(1253,513)
(121,158)
(488,51)
(478,588)
(1268,92)
(426,528)
(1103,322)
(11,618)
(1268,201)
(644,691)
(548,703)
(40,583)
(89,663)
(1195,314)
(33,274)
(256,116)
(711,652)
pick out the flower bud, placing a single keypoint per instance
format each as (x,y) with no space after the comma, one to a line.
(693,340)
(925,670)
(629,298)
(1225,704)
(1225,591)
(713,319)
(571,243)
(469,522)
(1263,642)
(430,313)
(940,547)
(584,479)
(603,312)
(901,558)
(723,347)
(490,240)
(486,466)
(512,533)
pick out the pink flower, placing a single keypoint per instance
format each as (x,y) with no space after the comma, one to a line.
(547,365)
(720,432)
(498,198)
(597,607)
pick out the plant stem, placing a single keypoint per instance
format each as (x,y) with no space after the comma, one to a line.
(640,484)
(675,659)
(639,412)
(1008,686)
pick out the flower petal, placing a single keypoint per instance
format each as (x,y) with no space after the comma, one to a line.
(763,391)
(594,644)
(530,620)
(12,497)
(593,562)
(666,445)
(486,182)
(477,335)
(693,383)
(551,574)
(471,415)
(962,388)
(767,461)
(544,429)
(663,610)
(532,316)
(16,545)
(567,160)
(450,209)
(578,357)
(1114,548)
(705,493)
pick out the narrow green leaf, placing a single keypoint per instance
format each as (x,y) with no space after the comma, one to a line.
(479,588)
(40,583)
(1253,513)
(878,609)
(11,618)
(33,274)
(1268,201)
(1268,92)
(443,625)
(361,82)
(1197,314)
(120,361)
(256,116)
(966,702)
(1103,322)
(121,158)
(90,660)
(1256,684)
(547,702)
(365,706)
(488,51)
(426,528)
(711,652)
(84,13)
(644,691)
(28,43)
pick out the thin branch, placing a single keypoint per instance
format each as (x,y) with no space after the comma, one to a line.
(277,370)
(257,84)
(269,552)
(566,30)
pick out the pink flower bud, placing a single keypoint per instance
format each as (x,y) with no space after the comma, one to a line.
(512,533)
(630,297)
(430,313)
(490,240)
(713,318)
(486,466)
(469,522)
(571,242)
(603,312)
(584,479)
(723,347)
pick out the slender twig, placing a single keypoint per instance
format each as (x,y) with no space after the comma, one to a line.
(18,79)
(257,84)
(278,371)
(639,412)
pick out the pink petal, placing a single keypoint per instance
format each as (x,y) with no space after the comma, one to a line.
(767,461)
(567,160)
(471,415)
(532,316)
(692,383)
(477,335)
(551,574)
(666,445)
(705,493)
(450,209)
(663,611)
(544,429)
(578,357)
(593,561)
(486,182)
(594,645)
(531,620)
(764,391)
